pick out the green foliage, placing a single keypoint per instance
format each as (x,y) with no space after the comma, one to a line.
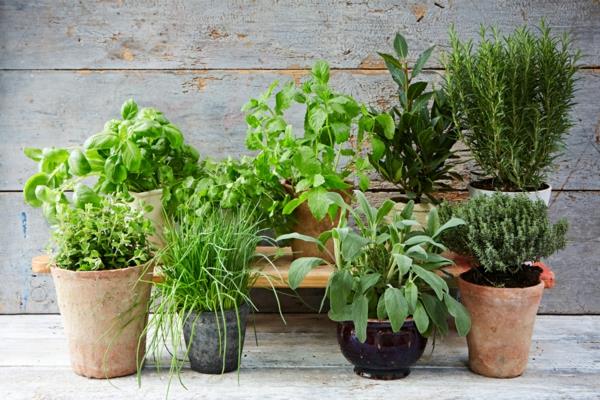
(503,232)
(107,234)
(511,98)
(206,264)
(141,152)
(412,144)
(325,157)
(386,270)
(227,184)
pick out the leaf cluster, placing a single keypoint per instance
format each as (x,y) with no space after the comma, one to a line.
(108,234)
(412,143)
(503,232)
(141,152)
(325,157)
(511,98)
(386,270)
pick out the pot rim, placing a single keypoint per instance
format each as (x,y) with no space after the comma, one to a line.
(546,187)
(93,274)
(148,193)
(373,321)
(290,188)
(529,290)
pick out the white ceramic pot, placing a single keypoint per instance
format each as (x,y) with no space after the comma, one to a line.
(420,211)
(156,215)
(543,194)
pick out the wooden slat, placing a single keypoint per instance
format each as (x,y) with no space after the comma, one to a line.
(59,111)
(302,358)
(264,34)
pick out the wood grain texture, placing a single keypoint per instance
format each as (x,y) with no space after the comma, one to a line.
(296,359)
(63,108)
(262,34)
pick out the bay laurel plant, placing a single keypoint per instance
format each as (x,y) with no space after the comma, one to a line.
(102,235)
(325,157)
(503,233)
(142,151)
(511,97)
(386,270)
(412,142)
(205,269)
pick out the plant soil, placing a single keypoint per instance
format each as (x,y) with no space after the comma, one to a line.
(491,184)
(527,276)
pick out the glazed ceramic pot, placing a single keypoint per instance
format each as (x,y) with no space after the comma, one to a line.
(156,215)
(542,194)
(104,314)
(502,321)
(384,355)
(214,347)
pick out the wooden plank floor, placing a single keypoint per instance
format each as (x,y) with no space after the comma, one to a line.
(302,360)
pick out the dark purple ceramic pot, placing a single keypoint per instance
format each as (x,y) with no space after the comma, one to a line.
(385,354)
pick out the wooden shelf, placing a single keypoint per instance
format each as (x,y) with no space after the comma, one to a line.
(274,264)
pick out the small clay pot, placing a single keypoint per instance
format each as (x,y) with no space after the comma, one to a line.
(307,224)
(384,355)
(214,346)
(502,322)
(104,314)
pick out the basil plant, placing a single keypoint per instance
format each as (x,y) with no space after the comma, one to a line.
(326,158)
(142,152)
(386,270)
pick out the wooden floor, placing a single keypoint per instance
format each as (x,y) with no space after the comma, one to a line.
(301,360)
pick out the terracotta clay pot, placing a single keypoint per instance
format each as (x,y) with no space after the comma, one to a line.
(384,355)
(156,215)
(104,314)
(307,224)
(502,325)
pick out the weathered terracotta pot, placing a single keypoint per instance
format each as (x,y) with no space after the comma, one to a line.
(104,314)
(502,325)
(307,224)
(156,215)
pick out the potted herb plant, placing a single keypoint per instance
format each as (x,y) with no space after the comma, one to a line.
(511,98)
(139,155)
(504,234)
(102,274)
(411,144)
(204,294)
(384,292)
(318,166)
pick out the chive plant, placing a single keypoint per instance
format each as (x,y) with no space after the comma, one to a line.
(205,268)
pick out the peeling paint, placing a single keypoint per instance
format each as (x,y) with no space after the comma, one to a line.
(371,61)
(24,224)
(419,11)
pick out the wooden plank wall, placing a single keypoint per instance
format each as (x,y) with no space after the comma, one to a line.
(65,68)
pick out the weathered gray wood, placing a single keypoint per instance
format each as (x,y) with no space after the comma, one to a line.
(24,235)
(264,34)
(62,108)
(302,358)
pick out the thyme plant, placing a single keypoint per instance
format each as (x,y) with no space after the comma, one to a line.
(503,232)
(511,97)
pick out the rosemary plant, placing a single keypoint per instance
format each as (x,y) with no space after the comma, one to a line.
(511,98)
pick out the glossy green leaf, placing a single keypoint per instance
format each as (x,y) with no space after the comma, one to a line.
(78,163)
(400,46)
(386,122)
(132,157)
(377,148)
(84,195)
(29,188)
(174,135)
(423,57)
(33,153)
(101,141)
(115,171)
(318,203)
(320,70)
(129,109)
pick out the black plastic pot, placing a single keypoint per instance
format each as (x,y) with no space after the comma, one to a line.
(215,347)
(384,355)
